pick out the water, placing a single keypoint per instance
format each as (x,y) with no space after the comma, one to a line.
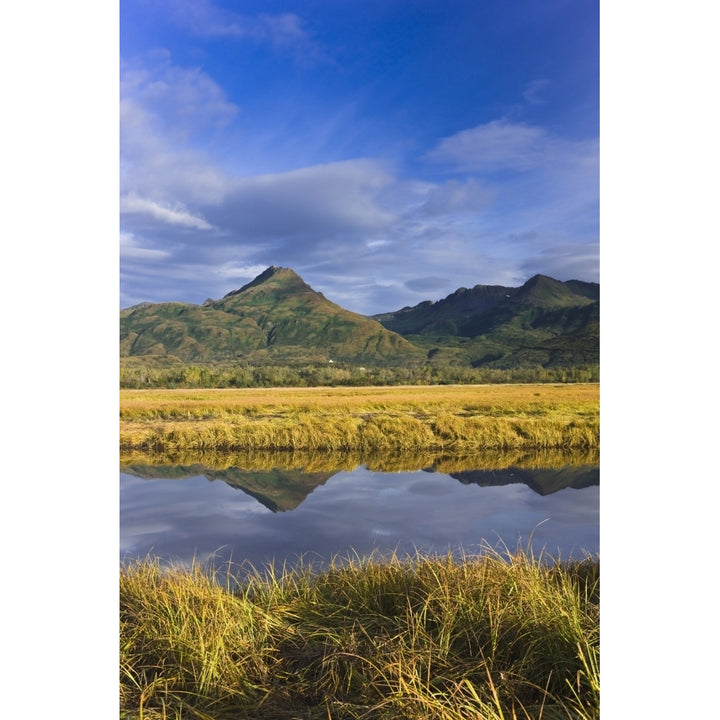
(277,515)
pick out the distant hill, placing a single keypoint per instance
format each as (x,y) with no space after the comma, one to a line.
(278,318)
(543,322)
(275,318)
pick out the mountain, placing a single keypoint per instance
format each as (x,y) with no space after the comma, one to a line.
(544,322)
(275,318)
(278,318)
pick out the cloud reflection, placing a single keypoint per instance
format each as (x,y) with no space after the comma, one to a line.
(358,511)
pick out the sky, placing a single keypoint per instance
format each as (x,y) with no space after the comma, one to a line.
(388,151)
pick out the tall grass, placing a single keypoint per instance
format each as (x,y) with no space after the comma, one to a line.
(492,636)
(457,418)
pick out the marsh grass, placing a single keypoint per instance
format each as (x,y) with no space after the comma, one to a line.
(453,418)
(492,636)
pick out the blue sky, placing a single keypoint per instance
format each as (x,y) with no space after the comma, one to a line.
(389,152)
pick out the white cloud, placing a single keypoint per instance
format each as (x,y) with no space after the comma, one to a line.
(165,114)
(534,91)
(457,197)
(176,215)
(283,31)
(182,101)
(233,270)
(502,145)
(494,145)
(131,249)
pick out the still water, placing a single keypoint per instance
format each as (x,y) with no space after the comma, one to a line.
(276,514)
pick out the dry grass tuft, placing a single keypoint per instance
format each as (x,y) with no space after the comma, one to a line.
(443,638)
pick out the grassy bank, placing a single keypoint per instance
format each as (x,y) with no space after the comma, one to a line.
(424,638)
(458,418)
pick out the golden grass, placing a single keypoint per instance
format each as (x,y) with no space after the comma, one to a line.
(426,638)
(458,418)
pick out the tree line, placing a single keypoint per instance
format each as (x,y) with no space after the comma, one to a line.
(252,376)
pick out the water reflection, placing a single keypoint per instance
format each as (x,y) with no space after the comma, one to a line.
(278,507)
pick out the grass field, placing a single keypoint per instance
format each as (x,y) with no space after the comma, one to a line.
(457,418)
(426,638)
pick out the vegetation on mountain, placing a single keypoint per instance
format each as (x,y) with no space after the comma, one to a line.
(275,318)
(544,323)
(278,325)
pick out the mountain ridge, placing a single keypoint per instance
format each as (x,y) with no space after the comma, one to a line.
(278,317)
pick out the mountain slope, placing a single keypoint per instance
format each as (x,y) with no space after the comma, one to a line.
(276,317)
(445,316)
(543,322)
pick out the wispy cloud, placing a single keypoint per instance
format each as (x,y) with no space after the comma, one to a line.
(184,102)
(502,145)
(168,117)
(456,196)
(176,215)
(284,32)
(234,271)
(534,93)
(130,248)
(538,182)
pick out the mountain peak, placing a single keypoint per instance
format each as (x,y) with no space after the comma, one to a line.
(548,292)
(278,317)
(282,273)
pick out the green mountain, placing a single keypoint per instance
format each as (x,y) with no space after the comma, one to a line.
(544,322)
(275,318)
(278,318)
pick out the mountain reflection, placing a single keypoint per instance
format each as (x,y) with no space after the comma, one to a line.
(281,481)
